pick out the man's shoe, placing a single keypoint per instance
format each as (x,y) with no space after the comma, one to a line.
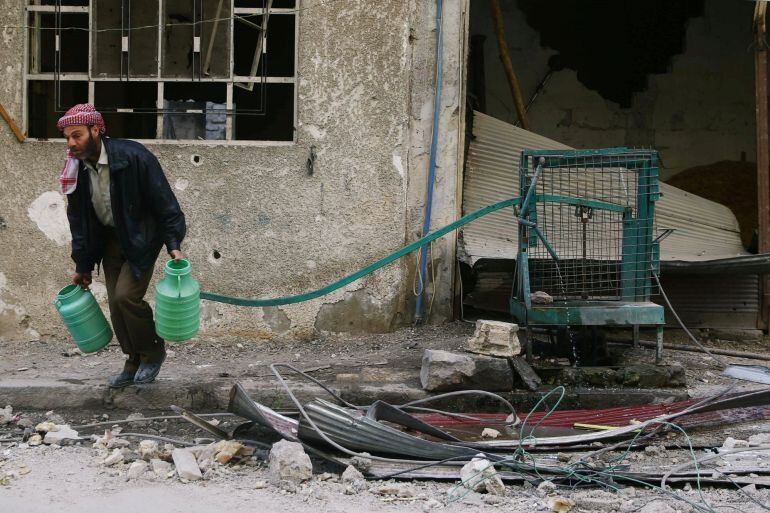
(121,380)
(147,372)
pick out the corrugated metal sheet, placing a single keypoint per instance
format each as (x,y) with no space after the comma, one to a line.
(703,230)
(712,301)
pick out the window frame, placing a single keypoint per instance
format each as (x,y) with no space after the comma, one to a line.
(160,81)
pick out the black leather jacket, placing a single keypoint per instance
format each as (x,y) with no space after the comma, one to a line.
(144,209)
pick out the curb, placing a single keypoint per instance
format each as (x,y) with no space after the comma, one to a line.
(213,396)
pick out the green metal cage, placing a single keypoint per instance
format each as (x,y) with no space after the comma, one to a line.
(587,249)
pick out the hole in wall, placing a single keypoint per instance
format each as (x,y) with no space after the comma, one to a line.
(217,254)
(613,46)
(196,160)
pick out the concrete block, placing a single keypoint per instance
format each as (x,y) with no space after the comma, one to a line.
(444,371)
(479,475)
(495,338)
(186,466)
(289,462)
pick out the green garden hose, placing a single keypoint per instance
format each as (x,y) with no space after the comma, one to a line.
(287,300)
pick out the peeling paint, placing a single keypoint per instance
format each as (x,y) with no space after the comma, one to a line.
(50,215)
(398,165)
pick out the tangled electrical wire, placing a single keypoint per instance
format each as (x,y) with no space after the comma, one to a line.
(579,472)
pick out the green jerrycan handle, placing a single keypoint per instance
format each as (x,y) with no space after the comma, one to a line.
(179,285)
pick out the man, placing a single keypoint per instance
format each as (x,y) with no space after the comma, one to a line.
(121,211)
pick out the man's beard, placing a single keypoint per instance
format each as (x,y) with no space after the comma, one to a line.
(90,150)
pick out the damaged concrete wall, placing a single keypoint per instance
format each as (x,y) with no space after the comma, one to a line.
(700,112)
(258,224)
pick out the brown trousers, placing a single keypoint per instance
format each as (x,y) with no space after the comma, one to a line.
(131,316)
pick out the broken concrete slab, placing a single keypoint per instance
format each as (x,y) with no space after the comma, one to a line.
(288,461)
(495,338)
(445,371)
(526,373)
(63,434)
(115,457)
(186,466)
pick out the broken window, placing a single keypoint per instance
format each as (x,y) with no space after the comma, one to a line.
(189,70)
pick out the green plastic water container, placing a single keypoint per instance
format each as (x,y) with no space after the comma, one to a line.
(83,318)
(177,303)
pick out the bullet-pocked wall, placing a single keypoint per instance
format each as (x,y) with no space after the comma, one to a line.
(675,76)
(262,221)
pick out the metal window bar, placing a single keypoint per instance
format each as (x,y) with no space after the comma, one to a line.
(244,82)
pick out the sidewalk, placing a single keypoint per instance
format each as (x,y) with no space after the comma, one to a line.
(199,374)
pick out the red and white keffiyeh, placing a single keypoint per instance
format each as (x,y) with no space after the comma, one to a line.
(80,114)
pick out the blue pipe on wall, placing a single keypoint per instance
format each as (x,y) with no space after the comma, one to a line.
(423,268)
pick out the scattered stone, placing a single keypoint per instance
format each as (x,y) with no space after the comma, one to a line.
(657,506)
(493,499)
(186,466)
(287,485)
(750,488)
(148,450)
(431,504)
(354,479)
(627,492)
(445,371)
(137,469)
(227,450)
(6,415)
(541,298)
(560,504)
(759,439)
(118,443)
(62,434)
(363,462)
(495,338)
(115,457)
(35,440)
(23,423)
(406,492)
(731,443)
(46,427)
(655,450)
(137,419)
(687,487)
(479,475)
(161,468)
(490,433)
(326,476)
(563,457)
(288,461)
(395,491)
(260,484)
(54,417)
(546,488)
(320,495)
(596,500)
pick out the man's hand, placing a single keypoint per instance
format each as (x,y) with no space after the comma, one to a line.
(176,255)
(82,279)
